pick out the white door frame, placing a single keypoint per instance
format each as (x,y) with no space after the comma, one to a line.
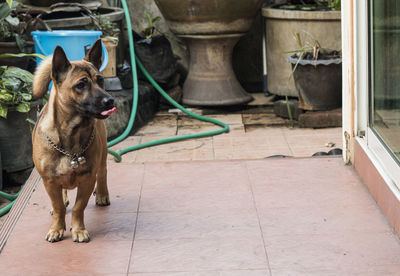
(356,93)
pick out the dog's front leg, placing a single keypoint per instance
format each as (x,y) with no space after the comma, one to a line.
(79,232)
(57,226)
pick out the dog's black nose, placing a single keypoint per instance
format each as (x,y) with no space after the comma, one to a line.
(108,101)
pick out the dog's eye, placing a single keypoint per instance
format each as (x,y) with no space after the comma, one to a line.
(80,85)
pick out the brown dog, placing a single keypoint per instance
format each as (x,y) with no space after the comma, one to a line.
(69,139)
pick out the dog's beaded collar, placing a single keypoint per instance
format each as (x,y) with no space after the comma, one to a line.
(76,158)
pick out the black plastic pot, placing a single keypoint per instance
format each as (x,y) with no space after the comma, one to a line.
(156,56)
(16,139)
(319,83)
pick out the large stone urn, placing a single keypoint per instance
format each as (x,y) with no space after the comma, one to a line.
(211,29)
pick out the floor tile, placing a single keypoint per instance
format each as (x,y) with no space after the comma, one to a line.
(263,119)
(306,142)
(187,130)
(319,220)
(199,224)
(262,129)
(304,272)
(181,273)
(250,146)
(246,272)
(305,182)
(168,120)
(197,255)
(198,149)
(230,119)
(157,130)
(333,252)
(222,185)
(40,257)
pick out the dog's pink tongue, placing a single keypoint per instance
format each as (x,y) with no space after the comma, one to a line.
(109,112)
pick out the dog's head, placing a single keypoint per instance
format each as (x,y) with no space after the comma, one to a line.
(80,85)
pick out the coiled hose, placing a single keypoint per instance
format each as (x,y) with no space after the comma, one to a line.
(134,61)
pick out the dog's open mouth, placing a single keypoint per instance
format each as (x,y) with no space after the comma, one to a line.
(109,111)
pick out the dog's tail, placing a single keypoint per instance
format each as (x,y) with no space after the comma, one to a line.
(42,78)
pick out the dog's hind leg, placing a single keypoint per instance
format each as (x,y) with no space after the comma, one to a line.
(101,191)
(65,197)
(102,196)
(57,226)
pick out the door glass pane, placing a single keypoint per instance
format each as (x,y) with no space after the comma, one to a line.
(385,73)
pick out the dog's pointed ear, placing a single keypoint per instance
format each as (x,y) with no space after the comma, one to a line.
(95,54)
(60,65)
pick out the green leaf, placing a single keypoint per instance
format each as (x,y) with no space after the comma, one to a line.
(29,120)
(3,110)
(155,19)
(149,18)
(21,42)
(23,107)
(22,55)
(15,72)
(27,97)
(6,97)
(14,21)
(10,2)
(5,10)
(11,83)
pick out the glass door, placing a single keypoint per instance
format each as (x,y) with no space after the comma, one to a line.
(384,95)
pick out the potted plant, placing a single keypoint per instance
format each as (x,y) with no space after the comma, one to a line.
(17,110)
(319,17)
(16,23)
(317,74)
(154,51)
(110,40)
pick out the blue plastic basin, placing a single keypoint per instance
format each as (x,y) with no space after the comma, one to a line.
(75,43)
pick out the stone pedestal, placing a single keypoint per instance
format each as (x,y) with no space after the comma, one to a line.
(211,80)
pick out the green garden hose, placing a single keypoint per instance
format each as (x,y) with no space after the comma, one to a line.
(9,197)
(134,61)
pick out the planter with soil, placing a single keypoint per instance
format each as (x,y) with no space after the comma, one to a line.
(16,139)
(318,82)
(281,24)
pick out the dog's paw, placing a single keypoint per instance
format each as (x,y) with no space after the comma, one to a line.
(102,200)
(55,235)
(80,235)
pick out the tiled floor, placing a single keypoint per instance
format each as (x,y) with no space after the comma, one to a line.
(224,213)
(292,216)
